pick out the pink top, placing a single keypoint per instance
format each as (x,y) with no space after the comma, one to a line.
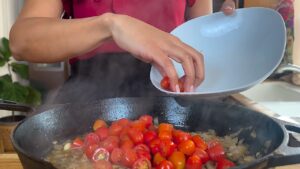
(163,14)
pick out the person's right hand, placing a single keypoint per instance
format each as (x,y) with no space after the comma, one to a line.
(154,46)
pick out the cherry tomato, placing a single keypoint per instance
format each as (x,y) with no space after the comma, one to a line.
(138,125)
(127,144)
(165,165)
(116,155)
(115,129)
(136,136)
(200,143)
(215,150)
(100,154)
(157,159)
(142,163)
(141,147)
(110,143)
(165,127)
(155,146)
(90,149)
(165,83)
(193,162)
(102,164)
(129,157)
(224,164)
(149,136)
(167,147)
(180,136)
(187,147)
(143,154)
(202,154)
(77,143)
(178,160)
(91,138)
(123,122)
(98,124)
(153,128)
(147,119)
(165,135)
(102,133)
(124,133)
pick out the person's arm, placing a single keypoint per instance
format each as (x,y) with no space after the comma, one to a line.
(39,35)
(205,7)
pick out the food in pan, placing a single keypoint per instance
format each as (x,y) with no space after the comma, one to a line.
(141,144)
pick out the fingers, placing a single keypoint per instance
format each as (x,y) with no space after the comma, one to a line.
(166,67)
(228,7)
(192,62)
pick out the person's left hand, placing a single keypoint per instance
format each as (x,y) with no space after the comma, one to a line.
(228,7)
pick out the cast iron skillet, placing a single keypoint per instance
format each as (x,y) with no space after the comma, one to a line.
(33,137)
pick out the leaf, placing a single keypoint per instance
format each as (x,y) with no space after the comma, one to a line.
(4,49)
(34,96)
(12,91)
(20,69)
(2,61)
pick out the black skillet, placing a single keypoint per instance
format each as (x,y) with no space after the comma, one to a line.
(33,137)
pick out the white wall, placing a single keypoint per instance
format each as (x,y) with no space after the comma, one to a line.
(296,52)
(9,10)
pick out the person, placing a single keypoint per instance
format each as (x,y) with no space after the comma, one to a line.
(111,43)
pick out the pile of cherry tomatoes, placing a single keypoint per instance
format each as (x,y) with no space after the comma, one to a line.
(141,145)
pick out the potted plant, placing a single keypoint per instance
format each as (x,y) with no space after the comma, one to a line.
(12,89)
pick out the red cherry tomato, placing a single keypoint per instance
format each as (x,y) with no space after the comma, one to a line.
(91,138)
(200,143)
(157,159)
(193,162)
(123,122)
(187,147)
(77,143)
(136,136)
(129,157)
(155,146)
(215,150)
(224,164)
(143,154)
(102,133)
(165,83)
(202,155)
(178,160)
(142,147)
(138,125)
(127,144)
(149,136)
(115,129)
(147,119)
(98,124)
(110,143)
(165,127)
(142,163)
(116,155)
(167,147)
(165,165)
(90,149)
(165,135)
(180,136)
(100,154)
(102,164)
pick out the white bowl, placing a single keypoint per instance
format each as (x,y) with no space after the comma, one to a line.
(240,50)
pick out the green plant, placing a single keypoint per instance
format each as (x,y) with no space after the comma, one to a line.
(11,90)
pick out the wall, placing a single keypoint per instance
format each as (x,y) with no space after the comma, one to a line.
(296,53)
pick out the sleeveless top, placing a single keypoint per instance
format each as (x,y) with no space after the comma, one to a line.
(162,14)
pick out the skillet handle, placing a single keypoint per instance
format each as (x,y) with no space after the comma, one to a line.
(13,106)
(289,152)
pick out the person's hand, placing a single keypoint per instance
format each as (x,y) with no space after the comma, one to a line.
(228,7)
(154,46)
